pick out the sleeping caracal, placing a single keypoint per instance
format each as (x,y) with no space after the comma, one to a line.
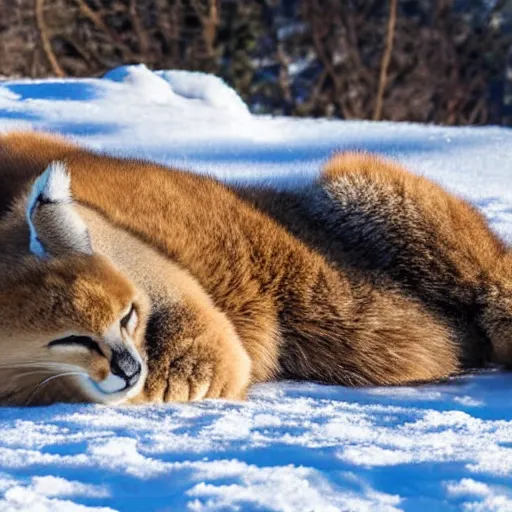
(125,281)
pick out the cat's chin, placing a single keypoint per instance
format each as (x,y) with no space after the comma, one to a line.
(112,390)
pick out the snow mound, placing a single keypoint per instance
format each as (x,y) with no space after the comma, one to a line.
(185,89)
(208,88)
(144,84)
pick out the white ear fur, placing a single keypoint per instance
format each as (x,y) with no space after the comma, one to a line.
(52,192)
(54,184)
(51,186)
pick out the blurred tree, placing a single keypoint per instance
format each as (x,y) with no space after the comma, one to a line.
(441,61)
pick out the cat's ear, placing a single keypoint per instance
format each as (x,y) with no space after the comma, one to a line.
(55,226)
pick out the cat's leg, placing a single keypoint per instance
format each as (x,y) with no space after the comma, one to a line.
(388,219)
(347,331)
(368,206)
(378,217)
(193,352)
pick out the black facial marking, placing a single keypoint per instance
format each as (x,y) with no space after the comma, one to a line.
(84,341)
(127,317)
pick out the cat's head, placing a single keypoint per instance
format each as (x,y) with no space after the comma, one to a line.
(72,325)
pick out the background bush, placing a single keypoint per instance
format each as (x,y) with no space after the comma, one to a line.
(441,61)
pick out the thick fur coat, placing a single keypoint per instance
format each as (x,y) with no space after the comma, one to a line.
(370,276)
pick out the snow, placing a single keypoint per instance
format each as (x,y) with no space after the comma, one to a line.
(291,446)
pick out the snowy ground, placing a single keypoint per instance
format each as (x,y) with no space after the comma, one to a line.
(291,447)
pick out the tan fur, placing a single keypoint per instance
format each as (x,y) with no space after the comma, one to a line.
(44,301)
(442,251)
(396,227)
(202,356)
(245,286)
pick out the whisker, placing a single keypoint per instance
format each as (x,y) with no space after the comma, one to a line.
(9,365)
(46,381)
(43,370)
(26,374)
(56,366)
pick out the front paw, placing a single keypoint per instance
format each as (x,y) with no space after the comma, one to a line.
(212,365)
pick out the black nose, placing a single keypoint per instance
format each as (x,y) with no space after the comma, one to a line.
(124,365)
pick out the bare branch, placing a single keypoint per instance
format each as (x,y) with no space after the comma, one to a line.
(45,40)
(93,17)
(386,58)
(142,36)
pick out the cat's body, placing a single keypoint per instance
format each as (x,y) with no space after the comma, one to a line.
(248,285)
(370,216)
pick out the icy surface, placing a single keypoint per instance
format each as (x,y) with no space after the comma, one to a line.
(291,447)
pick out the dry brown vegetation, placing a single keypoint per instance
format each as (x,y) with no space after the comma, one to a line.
(442,61)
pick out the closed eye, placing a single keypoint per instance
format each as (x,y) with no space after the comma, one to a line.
(77,341)
(130,320)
